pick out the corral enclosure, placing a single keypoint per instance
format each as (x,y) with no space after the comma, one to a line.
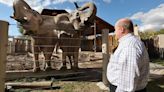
(20,63)
(20,56)
(20,59)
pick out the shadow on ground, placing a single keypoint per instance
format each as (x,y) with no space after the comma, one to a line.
(156,83)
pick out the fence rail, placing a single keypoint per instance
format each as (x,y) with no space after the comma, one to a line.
(24,44)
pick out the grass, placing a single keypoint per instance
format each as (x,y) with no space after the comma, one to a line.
(67,86)
(158,61)
(156,85)
(75,86)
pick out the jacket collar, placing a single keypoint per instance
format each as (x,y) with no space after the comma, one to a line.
(125,37)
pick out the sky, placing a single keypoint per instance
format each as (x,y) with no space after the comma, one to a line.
(147,14)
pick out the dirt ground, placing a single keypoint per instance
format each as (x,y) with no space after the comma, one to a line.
(25,62)
(84,84)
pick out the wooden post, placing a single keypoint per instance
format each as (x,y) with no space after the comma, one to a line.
(105,52)
(3,52)
(95,45)
(13,45)
(30,84)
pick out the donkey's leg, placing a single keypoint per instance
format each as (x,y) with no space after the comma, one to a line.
(47,65)
(35,51)
(48,53)
(70,60)
(36,60)
(75,59)
(64,67)
(36,63)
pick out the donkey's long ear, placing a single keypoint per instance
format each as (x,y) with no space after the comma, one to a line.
(21,3)
(89,12)
(37,15)
(76,5)
(20,6)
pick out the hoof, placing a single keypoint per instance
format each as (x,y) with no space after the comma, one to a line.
(63,68)
(75,68)
(48,68)
(36,69)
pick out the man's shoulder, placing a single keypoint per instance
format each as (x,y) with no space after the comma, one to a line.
(133,41)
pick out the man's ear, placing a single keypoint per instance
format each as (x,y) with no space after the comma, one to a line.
(122,30)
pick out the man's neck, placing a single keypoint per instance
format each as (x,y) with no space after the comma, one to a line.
(123,36)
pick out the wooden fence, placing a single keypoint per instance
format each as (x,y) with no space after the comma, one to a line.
(18,45)
(155,46)
(105,42)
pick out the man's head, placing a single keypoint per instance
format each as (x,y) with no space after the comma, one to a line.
(123,27)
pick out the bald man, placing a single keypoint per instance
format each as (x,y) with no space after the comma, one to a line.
(128,68)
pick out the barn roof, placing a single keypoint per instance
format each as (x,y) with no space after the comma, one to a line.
(52,12)
(100,23)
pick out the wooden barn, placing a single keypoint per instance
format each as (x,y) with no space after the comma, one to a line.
(93,37)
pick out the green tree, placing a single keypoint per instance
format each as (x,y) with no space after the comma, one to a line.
(161,31)
(21,30)
(150,33)
(147,34)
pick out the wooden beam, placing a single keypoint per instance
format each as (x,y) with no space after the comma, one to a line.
(42,84)
(105,51)
(95,45)
(11,75)
(3,52)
